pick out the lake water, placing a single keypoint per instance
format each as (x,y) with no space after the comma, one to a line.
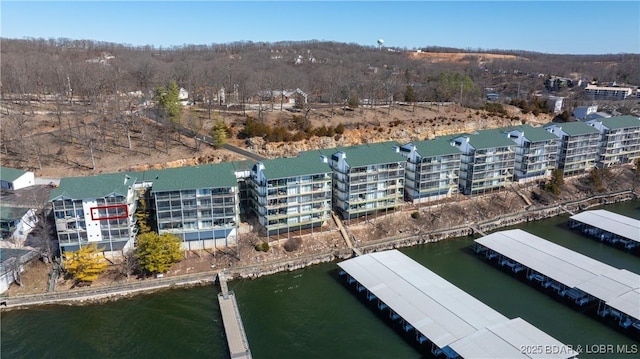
(307,313)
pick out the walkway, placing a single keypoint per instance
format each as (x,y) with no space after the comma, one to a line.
(233,327)
(345,235)
(93,294)
(566,210)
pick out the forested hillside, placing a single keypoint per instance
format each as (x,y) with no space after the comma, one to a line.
(327,71)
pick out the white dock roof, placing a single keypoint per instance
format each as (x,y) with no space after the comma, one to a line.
(611,222)
(570,268)
(507,340)
(441,311)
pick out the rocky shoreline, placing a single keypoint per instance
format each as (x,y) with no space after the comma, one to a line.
(111,293)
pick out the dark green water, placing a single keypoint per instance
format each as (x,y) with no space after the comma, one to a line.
(304,314)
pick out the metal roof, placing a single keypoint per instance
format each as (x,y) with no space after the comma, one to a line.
(610,285)
(306,163)
(437,147)
(507,340)
(371,154)
(436,308)
(570,268)
(194,177)
(93,186)
(533,134)
(10,174)
(550,259)
(627,303)
(619,122)
(575,128)
(12,213)
(611,222)
(490,138)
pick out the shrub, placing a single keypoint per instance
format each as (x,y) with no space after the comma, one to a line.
(415,215)
(262,247)
(292,244)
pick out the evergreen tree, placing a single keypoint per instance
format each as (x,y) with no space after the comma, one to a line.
(354,101)
(142,215)
(219,132)
(168,98)
(410,94)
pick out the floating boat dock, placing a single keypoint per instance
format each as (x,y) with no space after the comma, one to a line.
(568,274)
(233,327)
(608,227)
(442,317)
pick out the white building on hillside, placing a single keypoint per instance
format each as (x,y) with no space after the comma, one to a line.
(13,179)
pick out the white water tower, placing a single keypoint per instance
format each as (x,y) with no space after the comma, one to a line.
(380,43)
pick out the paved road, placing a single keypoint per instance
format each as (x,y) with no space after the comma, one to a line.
(209,140)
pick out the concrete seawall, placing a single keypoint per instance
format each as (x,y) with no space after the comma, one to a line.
(100,294)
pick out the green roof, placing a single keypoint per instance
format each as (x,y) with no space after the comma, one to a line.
(11,213)
(10,174)
(575,128)
(243,165)
(306,163)
(93,186)
(619,122)
(533,134)
(437,147)
(371,154)
(193,177)
(489,139)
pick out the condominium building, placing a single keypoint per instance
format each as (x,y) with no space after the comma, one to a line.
(431,171)
(608,92)
(487,160)
(367,178)
(291,193)
(198,204)
(536,152)
(619,140)
(577,147)
(95,210)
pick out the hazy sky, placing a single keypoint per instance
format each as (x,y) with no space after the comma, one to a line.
(572,27)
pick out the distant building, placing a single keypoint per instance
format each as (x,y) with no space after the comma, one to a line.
(586,113)
(183,96)
(577,147)
(13,179)
(608,92)
(432,169)
(555,103)
(619,140)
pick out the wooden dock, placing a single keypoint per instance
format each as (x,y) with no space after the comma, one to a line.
(476,230)
(233,327)
(345,235)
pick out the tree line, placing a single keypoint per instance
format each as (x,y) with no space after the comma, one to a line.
(327,71)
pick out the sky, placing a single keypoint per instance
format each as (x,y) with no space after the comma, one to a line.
(557,27)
